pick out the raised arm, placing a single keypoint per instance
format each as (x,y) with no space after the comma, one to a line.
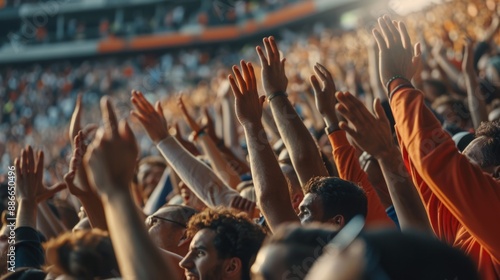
(475,98)
(269,182)
(110,163)
(196,175)
(29,192)
(344,153)
(304,152)
(373,134)
(470,195)
(82,190)
(221,167)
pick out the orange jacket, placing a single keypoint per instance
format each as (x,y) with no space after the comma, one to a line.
(462,202)
(349,169)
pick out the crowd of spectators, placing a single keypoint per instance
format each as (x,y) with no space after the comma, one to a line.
(413,177)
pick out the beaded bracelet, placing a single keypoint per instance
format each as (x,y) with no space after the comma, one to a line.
(276,94)
(388,84)
(398,88)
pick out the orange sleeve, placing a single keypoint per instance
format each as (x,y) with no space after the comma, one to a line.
(472,196)
(349,169)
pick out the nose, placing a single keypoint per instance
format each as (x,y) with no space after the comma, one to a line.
(186,262)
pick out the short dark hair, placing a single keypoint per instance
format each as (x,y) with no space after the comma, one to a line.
(338,197)
(236,235)
(490,147)
(304,243)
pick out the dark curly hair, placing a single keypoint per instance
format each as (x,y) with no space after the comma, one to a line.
(338,197)
(86,254)
(490,147)
(236,235)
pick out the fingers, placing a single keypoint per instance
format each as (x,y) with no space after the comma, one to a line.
(344,126)
(325,71)
(253,80)
(241,82)
(234,86)
(109,116)
(315,84)
(269,50)
(246,74)
(75,125)
(381,43)
(405,37)
(39,167)
(379,111)
(69,177)
(140,102)
(263,59)
(386,32)
(31,160)
(127,133)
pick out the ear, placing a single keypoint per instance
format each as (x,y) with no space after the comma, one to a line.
(496,172)
(232,267)
(184,239)
(297,199)
(338,220)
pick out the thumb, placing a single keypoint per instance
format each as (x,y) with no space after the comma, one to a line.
(262,100)
(379,111)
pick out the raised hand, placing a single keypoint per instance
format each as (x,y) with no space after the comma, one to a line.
(111,157)
(207,122)
(324,94)
(371,133)
(468,59)
(248,104)
(29,176)
(397,57)
(82,188)
(274,78)
(75,124)
(187,117)
(151,118)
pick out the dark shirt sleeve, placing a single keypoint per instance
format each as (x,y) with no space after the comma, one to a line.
(29,250)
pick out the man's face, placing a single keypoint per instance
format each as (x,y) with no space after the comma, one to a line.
(148,177)
(167,229)
(202,261)
(311,209)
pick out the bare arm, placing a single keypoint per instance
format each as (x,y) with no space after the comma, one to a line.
(477,105)
(88,197)
(221,167)
(270,183)
(110,163)
(194,173)
(304,152)
(373,134)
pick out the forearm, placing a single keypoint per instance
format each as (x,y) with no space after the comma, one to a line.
(374,72)
(196,175)
(304,153)
(137,256)
(451,71)
(26,214)
(405,198)
(221,167)
(56,225)
(240,166)
(95,211)
(477,105)
(270,125)
(350,170)
(230,135)
(270,184)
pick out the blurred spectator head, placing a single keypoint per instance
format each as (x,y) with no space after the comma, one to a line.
(332,200)
(484,150)
(150,170)
(82,255)
(167,228)
(453,110)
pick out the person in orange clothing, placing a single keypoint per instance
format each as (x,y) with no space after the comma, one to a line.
(461,192)
(344,153)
